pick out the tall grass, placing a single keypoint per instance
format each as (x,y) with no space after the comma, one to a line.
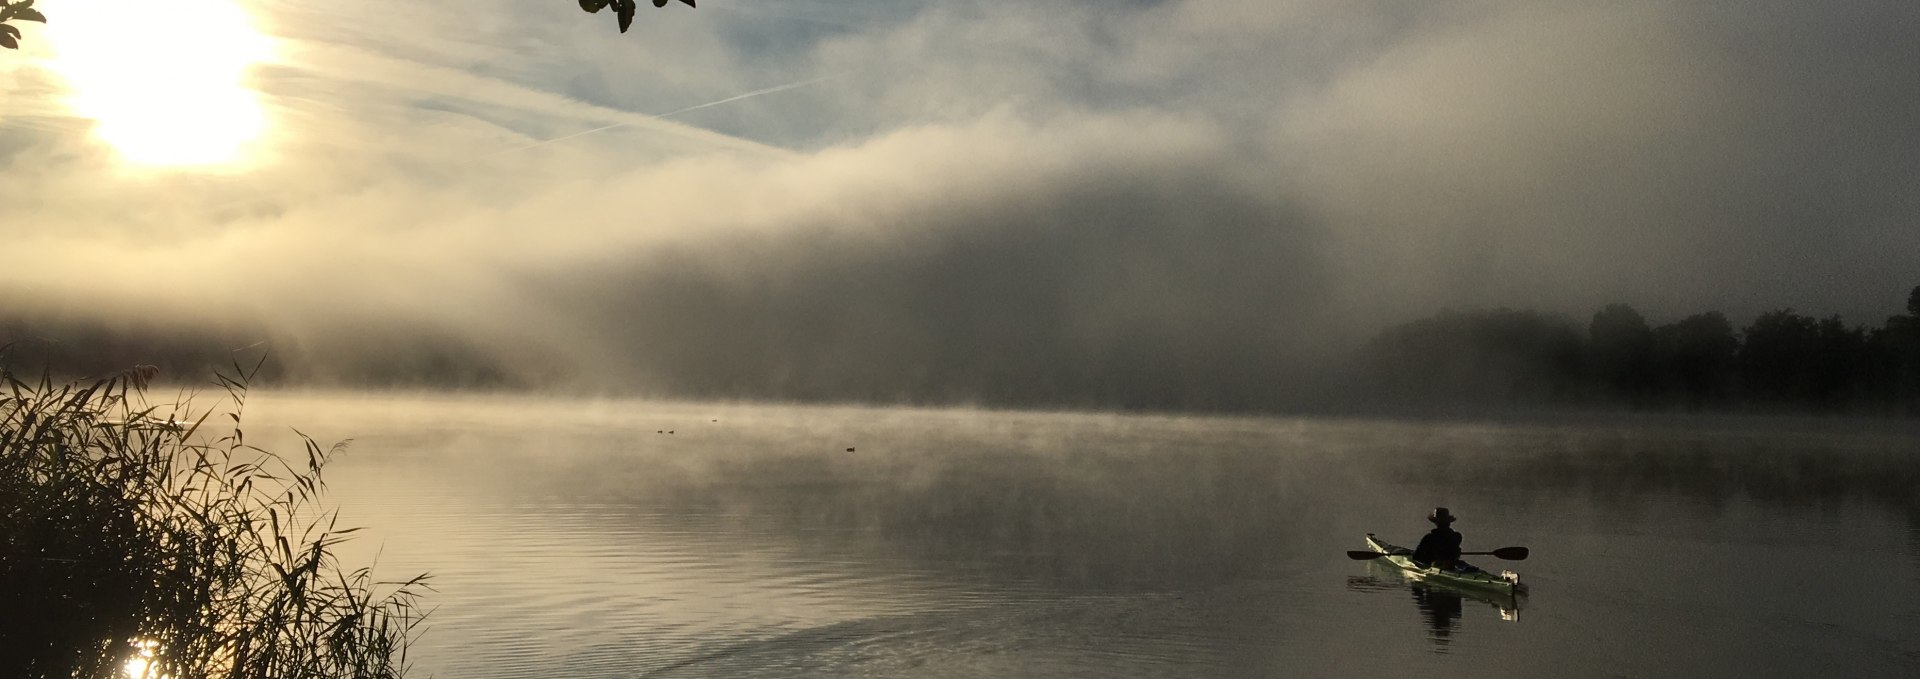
(140,540)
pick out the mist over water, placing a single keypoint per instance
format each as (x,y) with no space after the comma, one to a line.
(1200,206)
(580,538)
(1175,201)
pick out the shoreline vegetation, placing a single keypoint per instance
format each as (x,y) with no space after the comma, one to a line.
(1782,362)
(152,541)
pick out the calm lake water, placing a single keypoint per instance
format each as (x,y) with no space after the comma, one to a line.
(579,539)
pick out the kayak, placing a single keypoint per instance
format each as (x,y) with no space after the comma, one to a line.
(1505,582)
(1432,596)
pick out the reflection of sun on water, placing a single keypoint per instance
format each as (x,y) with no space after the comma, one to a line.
(163,79)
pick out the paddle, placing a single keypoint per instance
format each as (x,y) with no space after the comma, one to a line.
(1508,553)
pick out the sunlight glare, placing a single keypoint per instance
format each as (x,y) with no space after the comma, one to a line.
(164,81)
(141,665)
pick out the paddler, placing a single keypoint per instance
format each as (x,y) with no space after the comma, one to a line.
(1441,546)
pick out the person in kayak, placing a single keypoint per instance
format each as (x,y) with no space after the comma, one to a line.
(1441,546)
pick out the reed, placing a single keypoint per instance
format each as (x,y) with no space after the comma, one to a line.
(152,541)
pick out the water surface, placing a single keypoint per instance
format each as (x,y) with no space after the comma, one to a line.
(582,539)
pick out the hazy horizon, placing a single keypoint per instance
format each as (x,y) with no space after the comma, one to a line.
(1191,191)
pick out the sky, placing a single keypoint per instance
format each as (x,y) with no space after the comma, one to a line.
(859,198)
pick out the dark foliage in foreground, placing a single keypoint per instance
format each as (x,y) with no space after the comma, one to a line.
(622,9)
(1782,360)
(22,10)
(12,12)
(130,536)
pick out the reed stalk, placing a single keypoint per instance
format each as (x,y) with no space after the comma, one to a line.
(154,541)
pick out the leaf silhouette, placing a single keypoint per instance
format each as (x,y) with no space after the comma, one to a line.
(625,9)
(25,13)
(8,42)
(593,6)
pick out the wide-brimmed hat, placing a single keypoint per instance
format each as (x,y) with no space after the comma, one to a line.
(1440,516)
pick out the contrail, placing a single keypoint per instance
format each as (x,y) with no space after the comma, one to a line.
(675,112)
(770,90)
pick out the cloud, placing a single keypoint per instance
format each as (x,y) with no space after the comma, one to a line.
(1040,202)
(1569,154)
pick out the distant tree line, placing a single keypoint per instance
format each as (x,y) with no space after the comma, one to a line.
(373,355)
(1782,360)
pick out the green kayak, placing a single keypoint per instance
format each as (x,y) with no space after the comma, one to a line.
(1506,582)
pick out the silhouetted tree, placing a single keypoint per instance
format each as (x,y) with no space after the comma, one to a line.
(14,12)
(1897,348)
(1695,357)
(1904,345)
(1621,347)
(1775,355)
(1840,362)
(1790,358)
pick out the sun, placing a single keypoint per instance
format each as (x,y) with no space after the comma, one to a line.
(164,80)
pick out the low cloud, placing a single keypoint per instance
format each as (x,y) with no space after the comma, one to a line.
(1055,202)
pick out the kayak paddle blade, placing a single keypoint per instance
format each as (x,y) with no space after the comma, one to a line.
(1511,553)
(1363,556)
